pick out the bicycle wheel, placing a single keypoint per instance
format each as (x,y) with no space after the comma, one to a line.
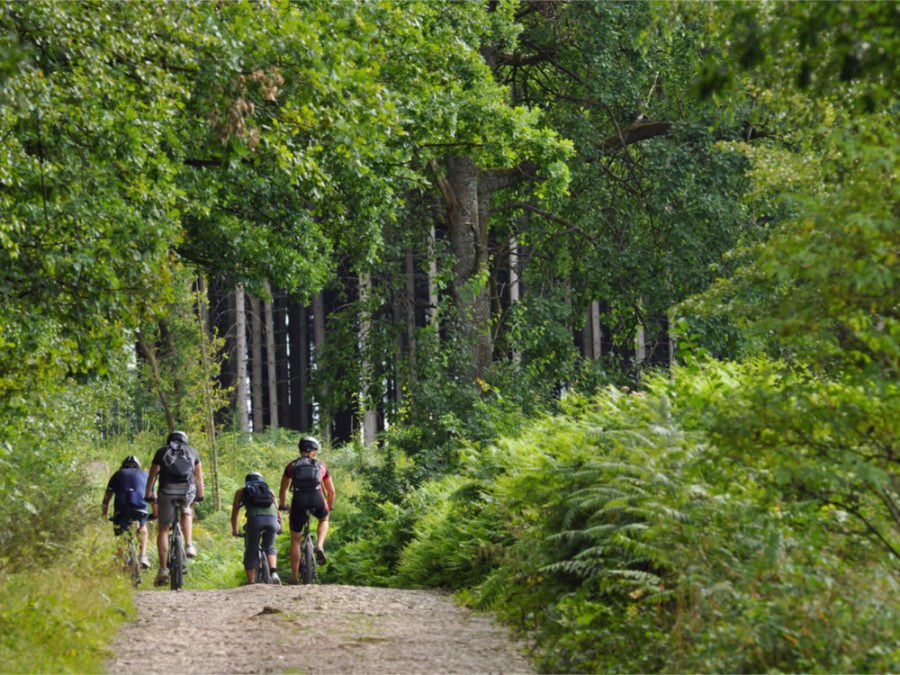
(176,559)
(134,562)
(308,561)
(263,575)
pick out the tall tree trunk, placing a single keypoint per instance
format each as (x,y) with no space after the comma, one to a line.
(432,281)
(468,240)
(318,308)
(514,286)
(410,314)
(640,345)
(281,312)
(369,413)
(592,336)
(271,358)
(298,371)
(240,328)
(256,371)
(467,190)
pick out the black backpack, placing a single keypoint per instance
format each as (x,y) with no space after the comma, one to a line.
(177,464)
(306,475)
(257,493)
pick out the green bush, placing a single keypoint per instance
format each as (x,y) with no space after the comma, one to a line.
(622,539)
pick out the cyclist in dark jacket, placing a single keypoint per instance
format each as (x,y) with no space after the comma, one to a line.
(127,486)
(180,474)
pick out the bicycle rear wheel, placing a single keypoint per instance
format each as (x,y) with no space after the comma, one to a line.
(307,561)
(131,551)
(263,574)
(176,559)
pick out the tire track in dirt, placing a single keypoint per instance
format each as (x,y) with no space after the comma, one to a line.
(311,629)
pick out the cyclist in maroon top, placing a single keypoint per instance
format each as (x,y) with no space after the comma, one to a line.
(307,477)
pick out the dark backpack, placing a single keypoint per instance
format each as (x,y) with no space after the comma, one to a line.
(306,475)
(257,493)
(177,464)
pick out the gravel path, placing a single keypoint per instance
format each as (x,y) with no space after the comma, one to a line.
(310,629)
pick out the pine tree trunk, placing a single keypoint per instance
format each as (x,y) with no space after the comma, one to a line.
(369,414)
(410,313)
(240,328)
(256,371)
(271,358)
(318,308)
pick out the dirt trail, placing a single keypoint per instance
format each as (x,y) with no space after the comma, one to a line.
(310,629)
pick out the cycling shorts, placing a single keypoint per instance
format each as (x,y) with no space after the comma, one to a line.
(122,519)
(259,527)
(314,501)
(167,494)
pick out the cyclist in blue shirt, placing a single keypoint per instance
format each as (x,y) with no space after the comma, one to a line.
(127,485)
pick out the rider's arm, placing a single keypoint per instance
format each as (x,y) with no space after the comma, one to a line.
(151,481)
(235,509)
(198,475)
(329,491)
(106,499)
(282,493)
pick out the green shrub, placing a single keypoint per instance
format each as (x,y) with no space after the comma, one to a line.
(622,540)
(58,618)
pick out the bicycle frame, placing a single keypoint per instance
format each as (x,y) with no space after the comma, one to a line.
(308,572)
(132,560)
(177,562)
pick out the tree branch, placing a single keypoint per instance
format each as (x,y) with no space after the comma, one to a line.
(527,206)
(639,131)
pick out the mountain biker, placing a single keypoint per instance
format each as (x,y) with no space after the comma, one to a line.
(177,465)
(307,496)
(258,518)
(128,485)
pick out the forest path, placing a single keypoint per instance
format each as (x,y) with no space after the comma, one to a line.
(310,629)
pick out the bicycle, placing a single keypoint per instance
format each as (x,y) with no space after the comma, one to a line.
(307,572)
(307,553)
(263,571)
(131,555)
(177,561)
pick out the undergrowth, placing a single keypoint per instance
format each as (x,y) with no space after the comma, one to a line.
(59,618)
(620,538)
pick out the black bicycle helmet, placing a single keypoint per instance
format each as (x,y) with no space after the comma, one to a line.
(131,462)
(253,475)
(177,437)
(308,444)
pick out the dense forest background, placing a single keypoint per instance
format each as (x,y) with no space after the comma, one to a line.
(595,304)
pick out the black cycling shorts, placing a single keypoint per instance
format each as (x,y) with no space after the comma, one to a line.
(314,501)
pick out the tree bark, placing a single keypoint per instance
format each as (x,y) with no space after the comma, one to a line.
(639,131)
(256,371)
(369,414)
(468,241)
(410,313)
(271,360)
(240,327)
(298,368)
(319,338)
